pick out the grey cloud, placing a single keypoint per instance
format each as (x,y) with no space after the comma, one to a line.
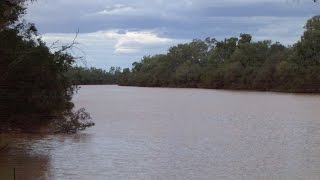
(280,20)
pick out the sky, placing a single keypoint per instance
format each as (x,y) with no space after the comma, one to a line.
(119,32)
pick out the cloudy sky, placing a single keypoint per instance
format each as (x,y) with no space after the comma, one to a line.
(119,32)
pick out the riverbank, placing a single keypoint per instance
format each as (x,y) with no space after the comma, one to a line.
(311,92)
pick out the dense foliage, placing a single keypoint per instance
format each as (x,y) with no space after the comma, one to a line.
(34,89)
(234,63)
(93,76)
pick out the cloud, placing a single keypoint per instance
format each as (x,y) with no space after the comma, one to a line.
(125,42)
(117,9)
(114,47)
(116,32)
(136,41)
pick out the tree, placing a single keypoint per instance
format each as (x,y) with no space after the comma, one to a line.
(244,38)
(34,89)
(307,50)
(307,55)
(188,75)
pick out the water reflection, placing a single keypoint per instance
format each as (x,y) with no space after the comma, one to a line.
(31,155)
(19,154)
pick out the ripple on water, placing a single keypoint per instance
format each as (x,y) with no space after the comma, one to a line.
(157,133)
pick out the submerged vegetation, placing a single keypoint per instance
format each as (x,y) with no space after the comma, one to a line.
(35,92)
(234,63)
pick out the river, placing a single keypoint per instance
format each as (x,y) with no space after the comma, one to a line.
(163,133)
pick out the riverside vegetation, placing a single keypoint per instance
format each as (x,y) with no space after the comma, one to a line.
(35,93)
(233,63)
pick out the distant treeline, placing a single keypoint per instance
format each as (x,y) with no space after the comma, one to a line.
(93,76)
(234,63)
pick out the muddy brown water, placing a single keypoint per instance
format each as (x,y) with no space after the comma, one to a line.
(160,133)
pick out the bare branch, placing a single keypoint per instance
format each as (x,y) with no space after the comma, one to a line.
(53,44)
(69,46)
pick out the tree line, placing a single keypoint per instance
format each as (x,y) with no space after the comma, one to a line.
(234,63)
(93,76)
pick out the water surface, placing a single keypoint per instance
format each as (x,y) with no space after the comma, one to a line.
(159,133)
